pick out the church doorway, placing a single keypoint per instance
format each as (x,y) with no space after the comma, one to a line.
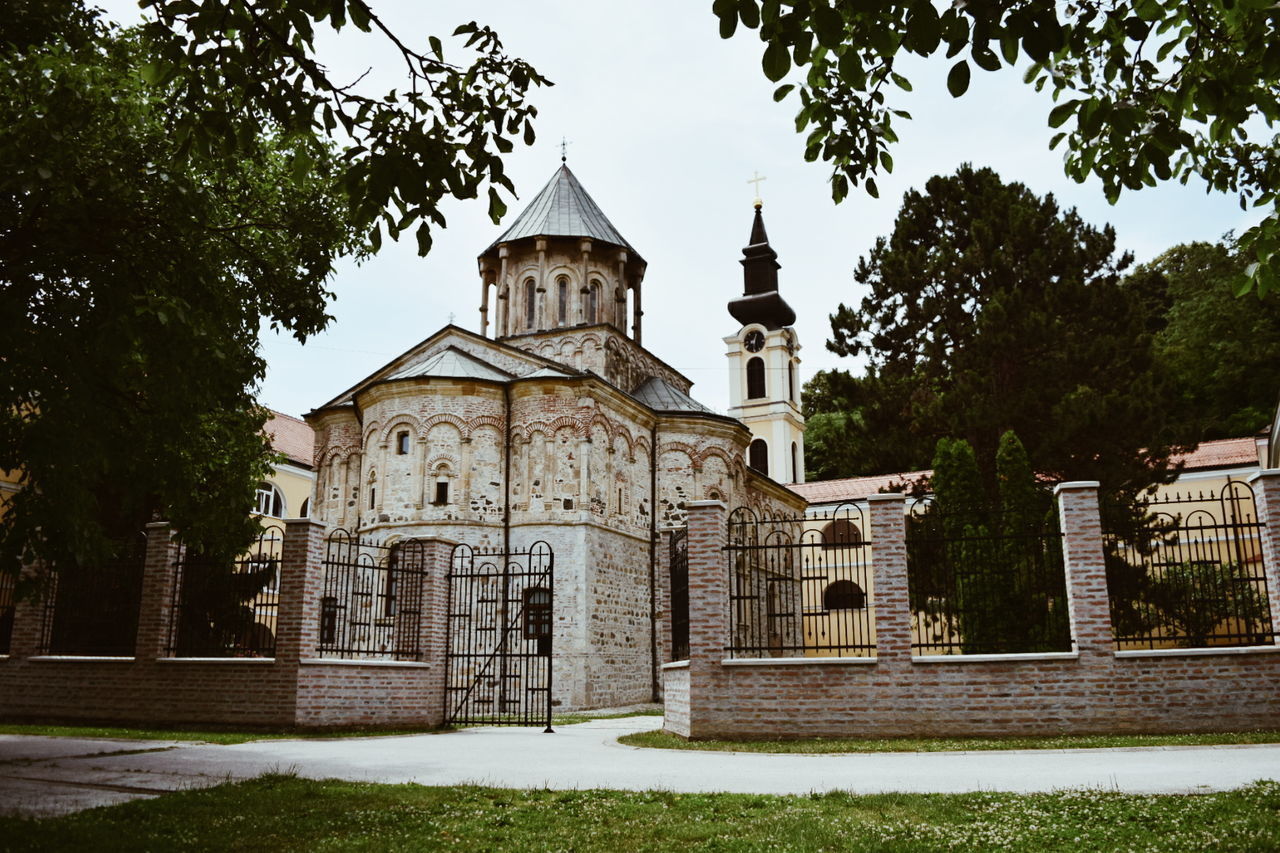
(498,657)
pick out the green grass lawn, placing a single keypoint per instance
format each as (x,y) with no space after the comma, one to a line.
(243,736)
(662,740)
(285,813)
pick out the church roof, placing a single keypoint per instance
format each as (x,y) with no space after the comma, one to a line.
(661,396)
(453,363)
(563,209)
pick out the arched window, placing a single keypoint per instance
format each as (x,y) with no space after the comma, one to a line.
(530,303)
(843,595)
(791,382)
(795,463)
(562,300)
(269,501)
(841,533)
(306,509)
(758,456)
(442,486)
(755,378)
(593,303)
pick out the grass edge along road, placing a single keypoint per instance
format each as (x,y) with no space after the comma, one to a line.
(219,735)
(657,739)
(286,813)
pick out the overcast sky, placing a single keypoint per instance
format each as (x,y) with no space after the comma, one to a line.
(666,123)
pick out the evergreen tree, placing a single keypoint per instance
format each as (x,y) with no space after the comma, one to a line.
(993,310)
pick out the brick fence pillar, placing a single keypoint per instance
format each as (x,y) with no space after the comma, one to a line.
(1266,490)
(1088,606)
(433,629)
(159,581)
(889,576)
(708,610)
(301,585)
(28,613)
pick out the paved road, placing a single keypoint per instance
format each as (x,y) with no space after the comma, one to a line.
(58,775)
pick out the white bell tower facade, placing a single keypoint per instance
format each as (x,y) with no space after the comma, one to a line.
(764,365)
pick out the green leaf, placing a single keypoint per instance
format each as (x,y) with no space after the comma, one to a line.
(423,235)
(986,59)
(828,24)
(782,91)
(1062,112)
(776,61)
(958,79)
(497,207)
(436,47)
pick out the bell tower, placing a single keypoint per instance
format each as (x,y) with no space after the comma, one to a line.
(764,364)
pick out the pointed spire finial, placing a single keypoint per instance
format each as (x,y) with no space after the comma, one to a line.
(564,149)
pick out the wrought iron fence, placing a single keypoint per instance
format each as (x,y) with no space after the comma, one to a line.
(800,586)
(986,580)
(678,545)
(371,604)
(228,608)
(1186,570)
(8,581)
(92,610)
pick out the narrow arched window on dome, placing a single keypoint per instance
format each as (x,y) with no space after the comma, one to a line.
(530,305)
(755,378)
(593,303)
(562,301)
(758,456)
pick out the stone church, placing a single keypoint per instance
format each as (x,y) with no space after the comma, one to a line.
(555,423)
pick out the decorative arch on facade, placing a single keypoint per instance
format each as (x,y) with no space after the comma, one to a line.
(444,418)
(409,421)
(370,431)
(481,421)
(719,453)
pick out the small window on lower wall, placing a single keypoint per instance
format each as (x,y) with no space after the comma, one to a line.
(843,595)
(442,492)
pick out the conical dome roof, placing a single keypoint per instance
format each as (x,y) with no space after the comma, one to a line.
(564,209)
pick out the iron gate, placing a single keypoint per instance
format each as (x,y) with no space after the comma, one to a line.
(498,654)
(679,563)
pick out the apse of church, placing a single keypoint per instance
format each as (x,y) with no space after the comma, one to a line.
(560,427)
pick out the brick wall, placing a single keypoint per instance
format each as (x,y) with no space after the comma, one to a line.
(1093,689)
(293,689)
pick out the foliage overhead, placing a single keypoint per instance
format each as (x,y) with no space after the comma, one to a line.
(992,310)
(164,190)
(1145,90)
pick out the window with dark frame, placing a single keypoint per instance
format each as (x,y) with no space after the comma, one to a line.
(402,443)
(530,303)
(755,378)
(758,456)
(442,492)
(537,618)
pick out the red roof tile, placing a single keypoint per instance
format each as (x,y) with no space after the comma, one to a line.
(852,488)
(1223,453)
(292,437)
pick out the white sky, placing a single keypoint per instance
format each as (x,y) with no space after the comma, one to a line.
(666,122)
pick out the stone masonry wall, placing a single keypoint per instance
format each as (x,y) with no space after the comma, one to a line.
(1091,690)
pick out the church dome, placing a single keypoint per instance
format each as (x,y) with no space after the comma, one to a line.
(563,208)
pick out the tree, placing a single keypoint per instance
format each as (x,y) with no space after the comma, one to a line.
(1002,312)
(853,426)
(162,192)
(1154,89)
(1222,352)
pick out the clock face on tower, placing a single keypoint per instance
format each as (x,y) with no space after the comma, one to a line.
(754,341)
